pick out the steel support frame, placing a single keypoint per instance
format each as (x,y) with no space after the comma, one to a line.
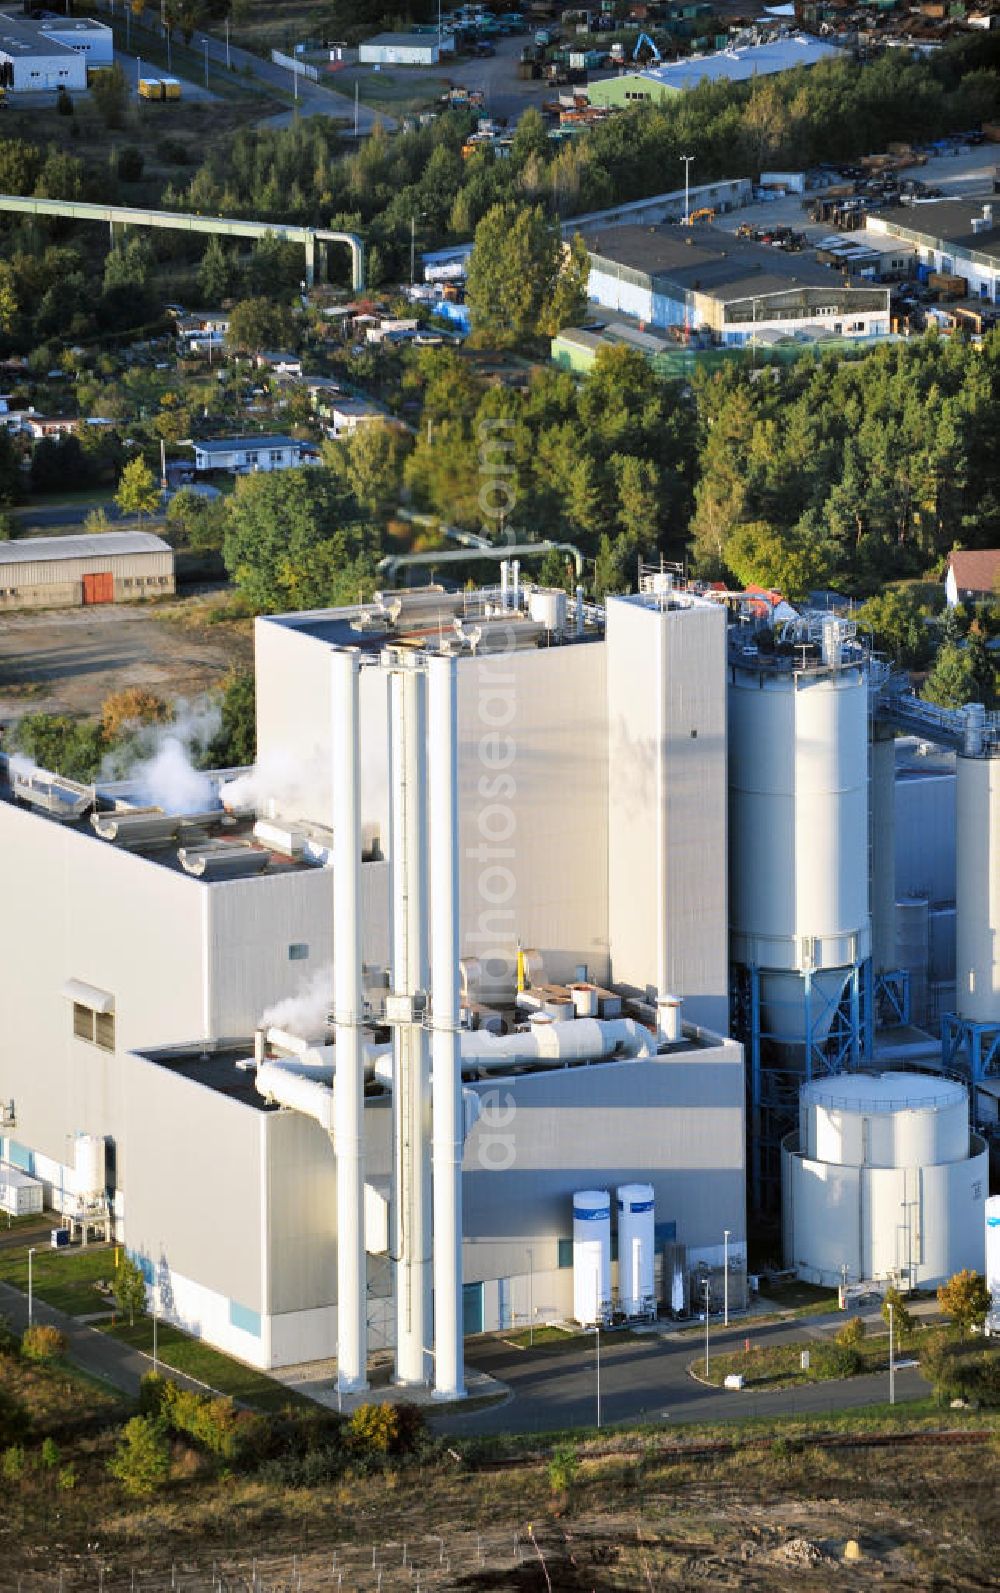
(892,997)
(970,1050)
(837,1038)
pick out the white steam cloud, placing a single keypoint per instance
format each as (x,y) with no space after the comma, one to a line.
(279,776)
(306,1012)
(159,760)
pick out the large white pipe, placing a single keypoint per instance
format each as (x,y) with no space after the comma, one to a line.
(411,1095)
(576,1040)
(291,1088)
(349,1097)
(447,1132)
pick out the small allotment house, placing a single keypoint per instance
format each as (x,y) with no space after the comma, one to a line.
(68,572)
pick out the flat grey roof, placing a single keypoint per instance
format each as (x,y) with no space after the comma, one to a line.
(736,64)
(704,260)
(950,221)
(20,37)
(226,445)
(424,41)
(112,543)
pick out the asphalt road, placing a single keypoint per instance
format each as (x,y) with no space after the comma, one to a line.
(111,1362)
(646,1379)
(314,99)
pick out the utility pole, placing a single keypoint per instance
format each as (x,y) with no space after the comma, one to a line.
(413,249)
(356,111)
(892,1368)
(531,1296)
(206,63)
(725,1277)
(687,159)
(31,1300)
(597,1338)
(228,61)
(707,1287)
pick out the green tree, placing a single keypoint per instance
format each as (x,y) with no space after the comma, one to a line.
(902,1319)
(566,303)
(236,743)
(294,539)
(110,94)
(513,269)
(215,273)
(141,1462)
(898,619)
(965,1298)
(128,1286)
(370,463)
(256,324)
(73,747)
(757,553)
(129,265)
(138,490)
(951,683)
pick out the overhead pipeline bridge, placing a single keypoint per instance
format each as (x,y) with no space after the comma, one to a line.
(969,730)
(314,240)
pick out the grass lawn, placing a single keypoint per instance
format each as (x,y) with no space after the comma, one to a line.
(791,1295)
(779,1365)
(63,1278)
(396,93)
(208,1365)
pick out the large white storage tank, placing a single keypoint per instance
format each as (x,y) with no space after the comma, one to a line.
(591,1255)
(90,1165)
(636,1247)
(798,796)
(883,1181)
(977,926)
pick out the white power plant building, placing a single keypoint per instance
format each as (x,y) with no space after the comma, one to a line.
(247,1010)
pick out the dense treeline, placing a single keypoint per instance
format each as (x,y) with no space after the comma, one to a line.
(834,111)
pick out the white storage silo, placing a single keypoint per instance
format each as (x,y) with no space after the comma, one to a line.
(883,1181)
(798,795)
(591,1255)
(90,1166)
(636,1247)
(977,925)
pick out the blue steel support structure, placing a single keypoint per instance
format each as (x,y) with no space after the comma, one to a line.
(837,1037)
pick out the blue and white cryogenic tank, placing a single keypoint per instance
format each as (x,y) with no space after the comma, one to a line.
(636,1247)
(591,1255)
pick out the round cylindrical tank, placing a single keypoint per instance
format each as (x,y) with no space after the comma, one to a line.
(883,851)
(977,868)
(798,788)
(591,1255)
(90,1163)
(913,950)
(548,607)
(668,1018)
(584,999)
(636,1246)
(883,1182)
(884,1120)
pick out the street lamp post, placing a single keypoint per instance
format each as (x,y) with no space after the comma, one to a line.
(597,1337)
(531,1296)
(892,1368)
(707,1287)
(228,61)
(725,1277)
(413,249)
(687,159)
(156,1313)
(206,62)
(31,1297)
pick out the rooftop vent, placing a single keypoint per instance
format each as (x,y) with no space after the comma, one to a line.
(62,799)
(221,860)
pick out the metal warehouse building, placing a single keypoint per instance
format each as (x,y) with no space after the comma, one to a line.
(703,280)
(405,49)
(729,66)
(62,572)
(31,60)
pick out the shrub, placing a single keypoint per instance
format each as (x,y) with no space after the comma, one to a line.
(13,1463)
(851,1334)
(130,164)
(67,1478)
(50,1454)
(562,1469)
(14,1419)
(212,1420)
(844,1360)
(42,1342)
(141,1463)
(965,1298)
(152,1390)
(902,1321)
(375,1431)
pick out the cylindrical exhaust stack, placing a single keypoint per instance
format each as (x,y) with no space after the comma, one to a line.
(349,1098)
(449,1359)
(411,1099)
(977,792)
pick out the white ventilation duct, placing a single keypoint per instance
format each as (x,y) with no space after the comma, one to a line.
(410,977)
(447,1126)
(555,1044)
(349,1099)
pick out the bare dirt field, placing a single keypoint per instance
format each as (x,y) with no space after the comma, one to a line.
(68,661)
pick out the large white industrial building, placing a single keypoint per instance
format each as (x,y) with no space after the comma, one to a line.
(542,845)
